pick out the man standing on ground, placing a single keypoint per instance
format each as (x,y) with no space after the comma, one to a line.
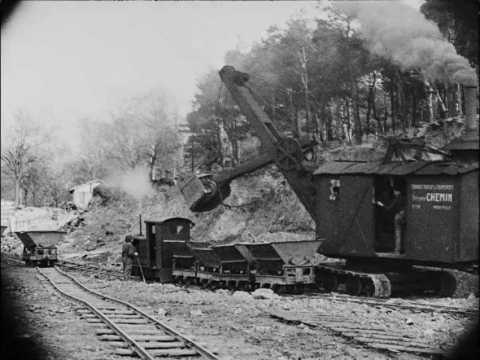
(128,254)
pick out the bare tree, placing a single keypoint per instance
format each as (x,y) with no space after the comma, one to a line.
(20,152)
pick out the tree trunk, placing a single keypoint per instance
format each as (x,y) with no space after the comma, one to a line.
(430,105)
(25,196)
(293,118)
(414,109)
(452,97)
(385,114)
(356,115)
(17,192)
(393,107)
(339,121)
(348,123)
(329,123)
(401,108)
(371,103)
(153,159)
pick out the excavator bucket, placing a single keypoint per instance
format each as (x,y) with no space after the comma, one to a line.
(202,193)
(192,190)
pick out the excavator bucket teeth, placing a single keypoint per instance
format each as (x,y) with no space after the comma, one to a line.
(192,190)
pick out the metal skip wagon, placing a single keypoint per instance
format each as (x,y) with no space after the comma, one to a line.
(283,266)
(40,246)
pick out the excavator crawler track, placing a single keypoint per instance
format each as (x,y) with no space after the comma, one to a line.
(355,282)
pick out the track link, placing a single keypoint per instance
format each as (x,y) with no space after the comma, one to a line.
(356,283)
(129,330)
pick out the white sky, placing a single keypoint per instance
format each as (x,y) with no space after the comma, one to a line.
(63,61)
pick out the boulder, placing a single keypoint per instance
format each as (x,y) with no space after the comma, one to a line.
(267,294)
(242,295)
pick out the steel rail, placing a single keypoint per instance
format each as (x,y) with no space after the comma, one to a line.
(396,305)
(89,268)
(343,298)
(165,327)
(138,349)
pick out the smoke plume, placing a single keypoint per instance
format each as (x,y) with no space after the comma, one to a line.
(134,182)
(402,34)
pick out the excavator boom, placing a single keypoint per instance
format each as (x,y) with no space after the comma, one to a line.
(287,153)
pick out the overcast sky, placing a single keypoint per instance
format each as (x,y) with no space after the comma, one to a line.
(63,61)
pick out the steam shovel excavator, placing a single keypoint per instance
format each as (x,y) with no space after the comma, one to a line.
(441,215)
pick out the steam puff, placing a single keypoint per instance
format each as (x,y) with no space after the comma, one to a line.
(134,182)
(398,32)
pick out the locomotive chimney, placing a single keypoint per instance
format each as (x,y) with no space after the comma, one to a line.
(471,101)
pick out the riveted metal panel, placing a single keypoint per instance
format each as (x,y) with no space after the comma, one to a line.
(432,218)
(346,221)
(469,218)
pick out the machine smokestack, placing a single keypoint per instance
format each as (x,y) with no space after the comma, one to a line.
(471,104)
(140,223)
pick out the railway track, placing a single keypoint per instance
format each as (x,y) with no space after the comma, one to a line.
(89,269)
(395,303)
(376,337)
(127,329)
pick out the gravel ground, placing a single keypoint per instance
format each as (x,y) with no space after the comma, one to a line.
(42,325)
(236,326)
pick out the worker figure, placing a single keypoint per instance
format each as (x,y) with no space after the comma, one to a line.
(395,205)
(128,254)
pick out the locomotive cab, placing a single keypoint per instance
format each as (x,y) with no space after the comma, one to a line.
(163,238)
